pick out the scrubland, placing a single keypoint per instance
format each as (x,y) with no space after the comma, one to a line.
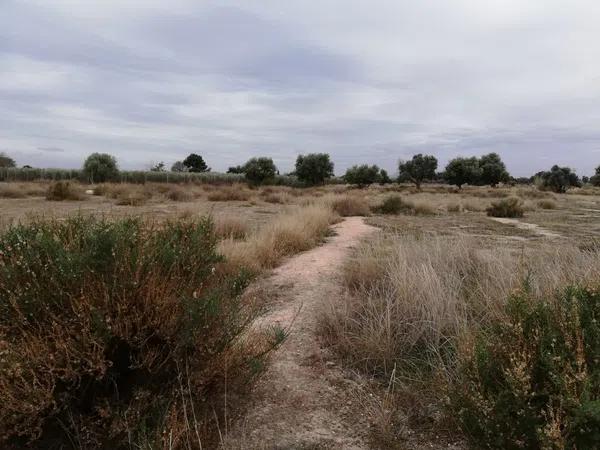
(126,321)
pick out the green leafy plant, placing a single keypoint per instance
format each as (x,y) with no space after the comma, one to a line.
(533,380)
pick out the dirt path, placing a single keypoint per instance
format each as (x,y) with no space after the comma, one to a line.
(303,401)
(535,229)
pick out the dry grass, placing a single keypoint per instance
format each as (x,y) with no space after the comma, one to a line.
(276,198)
(179,194)
(230,227)
(64,190)
(534,193)
(22,190)
(130,195)
(348,205)
(289,233)
(411,298)
(229,194)
(547,204)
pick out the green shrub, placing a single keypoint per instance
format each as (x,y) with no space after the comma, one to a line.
(393,204)
(509,207)
(533,381)
(63,190)
(99,168)
(102,324)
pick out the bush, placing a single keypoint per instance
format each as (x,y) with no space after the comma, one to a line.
(63,190)
(392,204)
(534,380)
(314,168)
(100,321)
(100,167)
(362,175)
(347,206)
(547,204)
(510,207)
(559,179)
(260,170)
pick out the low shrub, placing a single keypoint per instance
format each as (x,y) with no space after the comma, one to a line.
(229,194)
(547,204)
(534,193)
(533,381)
(112,332)
(348,205)
(179,194)
(132,195)
(510,207)
(454,207)
(63,190)
(393,204)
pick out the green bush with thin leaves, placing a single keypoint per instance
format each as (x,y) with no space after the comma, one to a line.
(101,324)
(533,380)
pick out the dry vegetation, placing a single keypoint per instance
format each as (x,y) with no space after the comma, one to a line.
(417,298)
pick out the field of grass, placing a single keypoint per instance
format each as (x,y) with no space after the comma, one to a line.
(148,300)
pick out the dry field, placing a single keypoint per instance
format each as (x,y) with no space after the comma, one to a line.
(393,302)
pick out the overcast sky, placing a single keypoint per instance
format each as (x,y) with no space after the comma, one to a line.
(366,81)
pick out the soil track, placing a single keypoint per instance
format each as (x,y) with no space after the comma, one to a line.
(304,401)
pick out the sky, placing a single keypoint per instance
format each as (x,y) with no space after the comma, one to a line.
(365,81)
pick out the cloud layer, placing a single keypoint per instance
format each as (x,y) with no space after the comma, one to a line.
(369,82)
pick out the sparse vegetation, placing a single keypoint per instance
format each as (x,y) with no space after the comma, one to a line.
(509,207)
(350,206)
(63,190)
(229,194)
(547,204)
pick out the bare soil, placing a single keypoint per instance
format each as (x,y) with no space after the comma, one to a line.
(304,401)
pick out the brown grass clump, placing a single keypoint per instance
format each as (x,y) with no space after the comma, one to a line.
(11,191)
(230,227)
(547,204)
(510,207)
(235,193)
(131,195)
(349,205)
(179,194)
(63,190)
(289,233)
(395,204)
(413,302)
(279,198)
(454,207)
(534,193)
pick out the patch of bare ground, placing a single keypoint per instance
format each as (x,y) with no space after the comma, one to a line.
(532,227)
(304,400)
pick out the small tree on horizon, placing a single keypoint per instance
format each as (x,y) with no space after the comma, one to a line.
(160,167)
(100,167)
(595,179)
(418,169)
(460,171)
(493,170)
(195,163)
(362,175)
(260,170)
(6,161)
(178,166)
(384,178)
(314,168)
(559,179)
(236,169)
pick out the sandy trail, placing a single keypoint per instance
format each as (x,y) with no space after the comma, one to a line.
(535,229)
(302,400)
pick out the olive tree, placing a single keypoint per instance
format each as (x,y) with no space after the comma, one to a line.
(418,169)
(100,167)
(314,168)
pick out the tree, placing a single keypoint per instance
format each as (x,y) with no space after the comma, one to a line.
(160,167)
(493,170)
(178,166)
(461,171)
(100,167)
(559,179)
(236,169)
(260,170)
(362,175)
(595,180)
(384,178)
(195,163)
(418,169)
(6,161)
(314,168)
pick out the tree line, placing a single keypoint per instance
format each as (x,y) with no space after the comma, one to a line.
(316,168)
